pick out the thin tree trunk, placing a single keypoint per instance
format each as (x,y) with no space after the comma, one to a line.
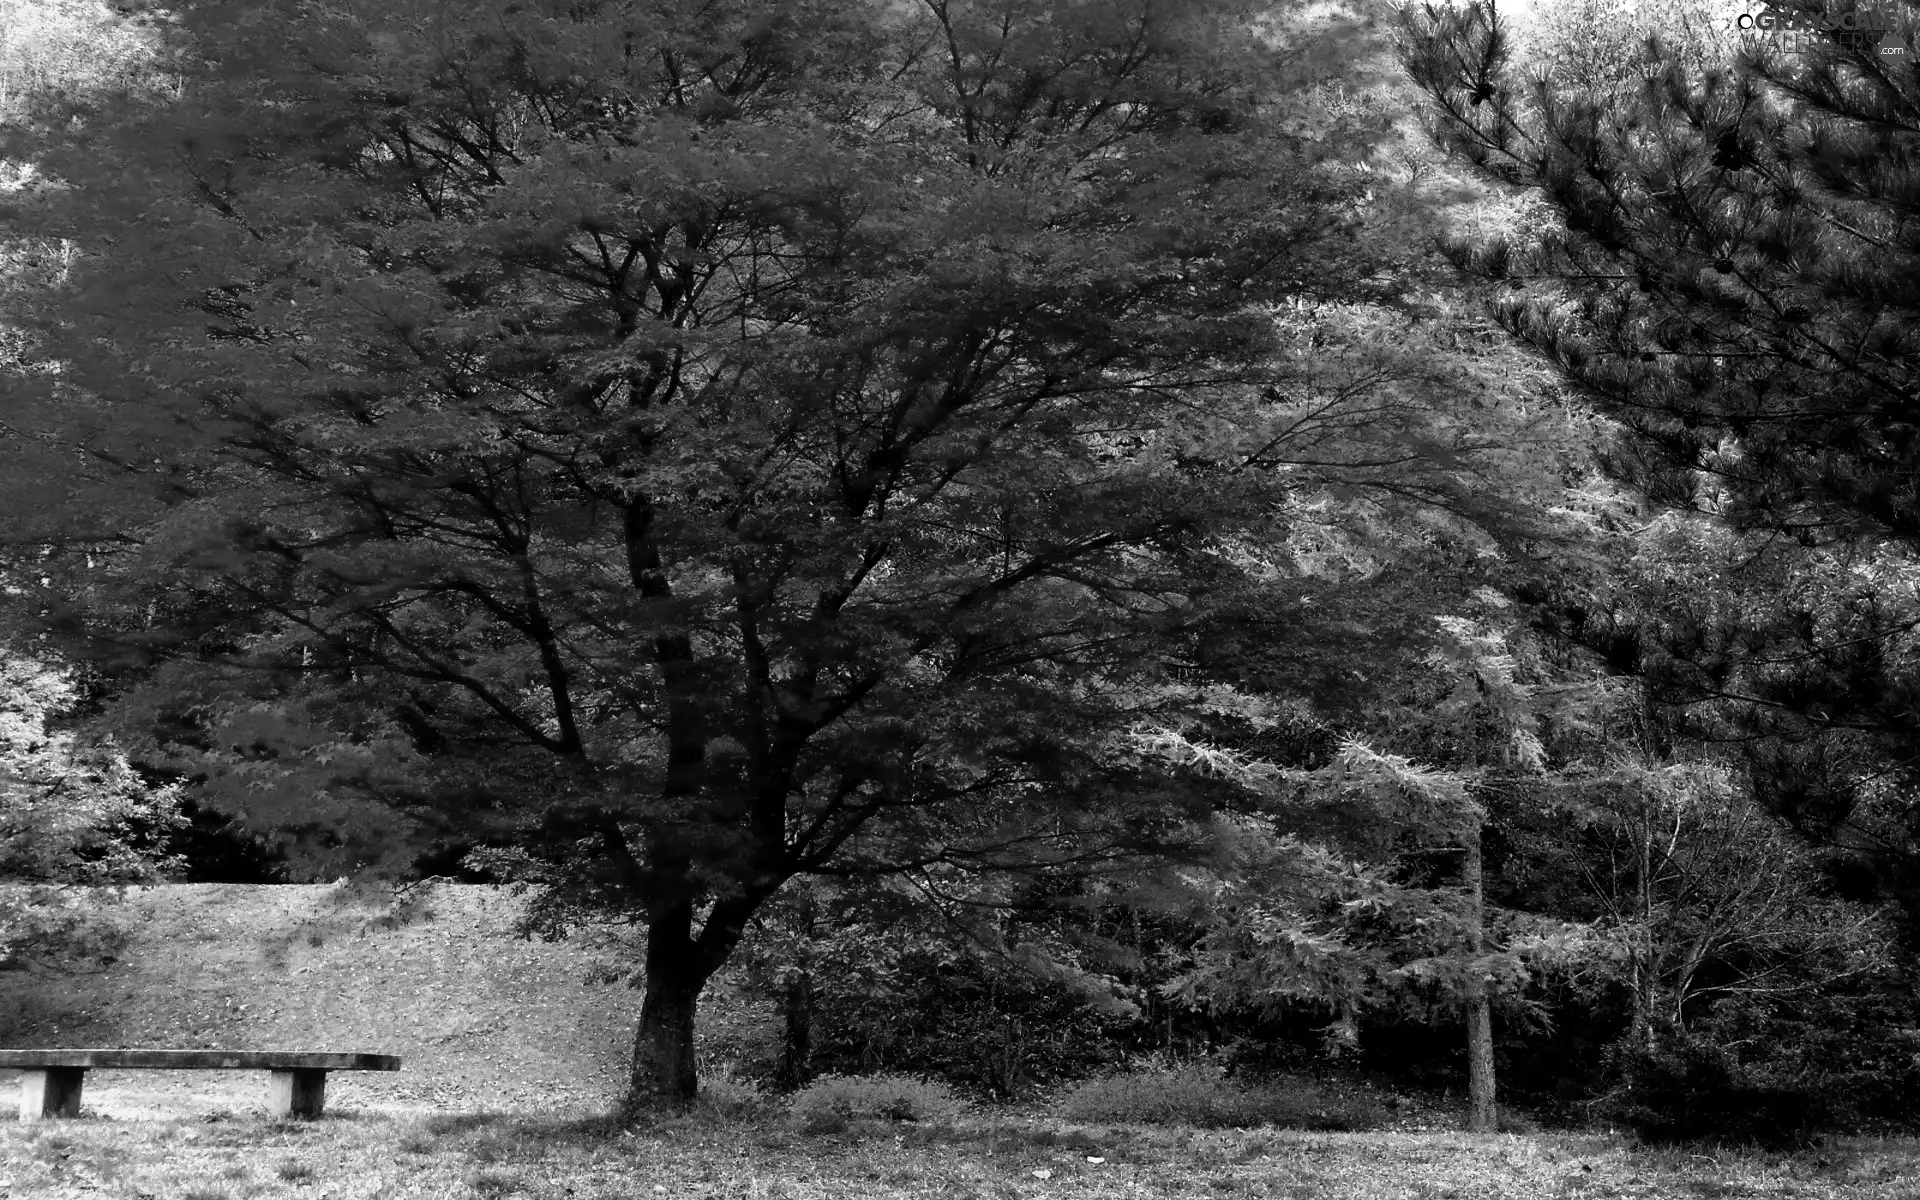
(1645,978)
(1483,1115)
(795,1067)
(796,1058)
(1643,968)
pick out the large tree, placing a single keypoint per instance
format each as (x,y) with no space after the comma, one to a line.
(744,439)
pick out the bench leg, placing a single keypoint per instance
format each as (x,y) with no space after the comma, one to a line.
(52,1092)
(297,1093)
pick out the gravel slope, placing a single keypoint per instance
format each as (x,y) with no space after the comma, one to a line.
(483,1020)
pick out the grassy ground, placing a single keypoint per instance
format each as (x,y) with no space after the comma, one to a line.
(386,1157)
(509,1056)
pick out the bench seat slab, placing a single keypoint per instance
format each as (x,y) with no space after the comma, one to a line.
(198,1060)
(50,1092)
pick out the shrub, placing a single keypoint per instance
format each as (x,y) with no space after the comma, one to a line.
(207,845)
(984,1026)
(1851,1052)
(72,811)
(1200,1095)
(725,1092)
(1190,1095)
(1688,1088)
(831,1101)
(1302,1104)
(890,989)
(1776,1074)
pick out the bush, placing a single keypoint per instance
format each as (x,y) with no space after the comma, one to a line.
(1201,1096)
(1851,1052)
(1302,1104)
(725,1092)
(1191,1095)
(984,1026)
(213,847)
(1689,1089)
(889,988)
(830,1102)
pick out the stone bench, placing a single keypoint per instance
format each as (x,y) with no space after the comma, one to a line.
(297,1087)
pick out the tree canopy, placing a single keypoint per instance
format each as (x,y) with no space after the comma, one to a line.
(736,442)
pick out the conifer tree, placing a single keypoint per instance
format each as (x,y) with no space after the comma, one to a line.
(1735,276)
(1721,253)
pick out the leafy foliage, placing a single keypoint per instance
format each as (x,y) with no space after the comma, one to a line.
(1322,913)
(54,47)
(72,812)
(689,454)
(214,848)
(994,986)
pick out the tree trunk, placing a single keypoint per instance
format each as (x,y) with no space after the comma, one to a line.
(1483,1115)
(796,1058)
(678,967)
(1645,979)
(663,1074)
(663,1071)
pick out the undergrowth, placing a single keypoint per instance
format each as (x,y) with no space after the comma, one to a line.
(831,1102)
(1200,1095)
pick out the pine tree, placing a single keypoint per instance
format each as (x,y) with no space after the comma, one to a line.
(1735,281)
(1719,250)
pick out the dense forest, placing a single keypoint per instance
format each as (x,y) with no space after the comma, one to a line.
(1047,534)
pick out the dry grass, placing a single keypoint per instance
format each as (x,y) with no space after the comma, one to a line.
(387,1157)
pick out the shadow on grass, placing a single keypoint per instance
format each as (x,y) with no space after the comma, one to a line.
(490,1137)
(504,1137)
(446,1124)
